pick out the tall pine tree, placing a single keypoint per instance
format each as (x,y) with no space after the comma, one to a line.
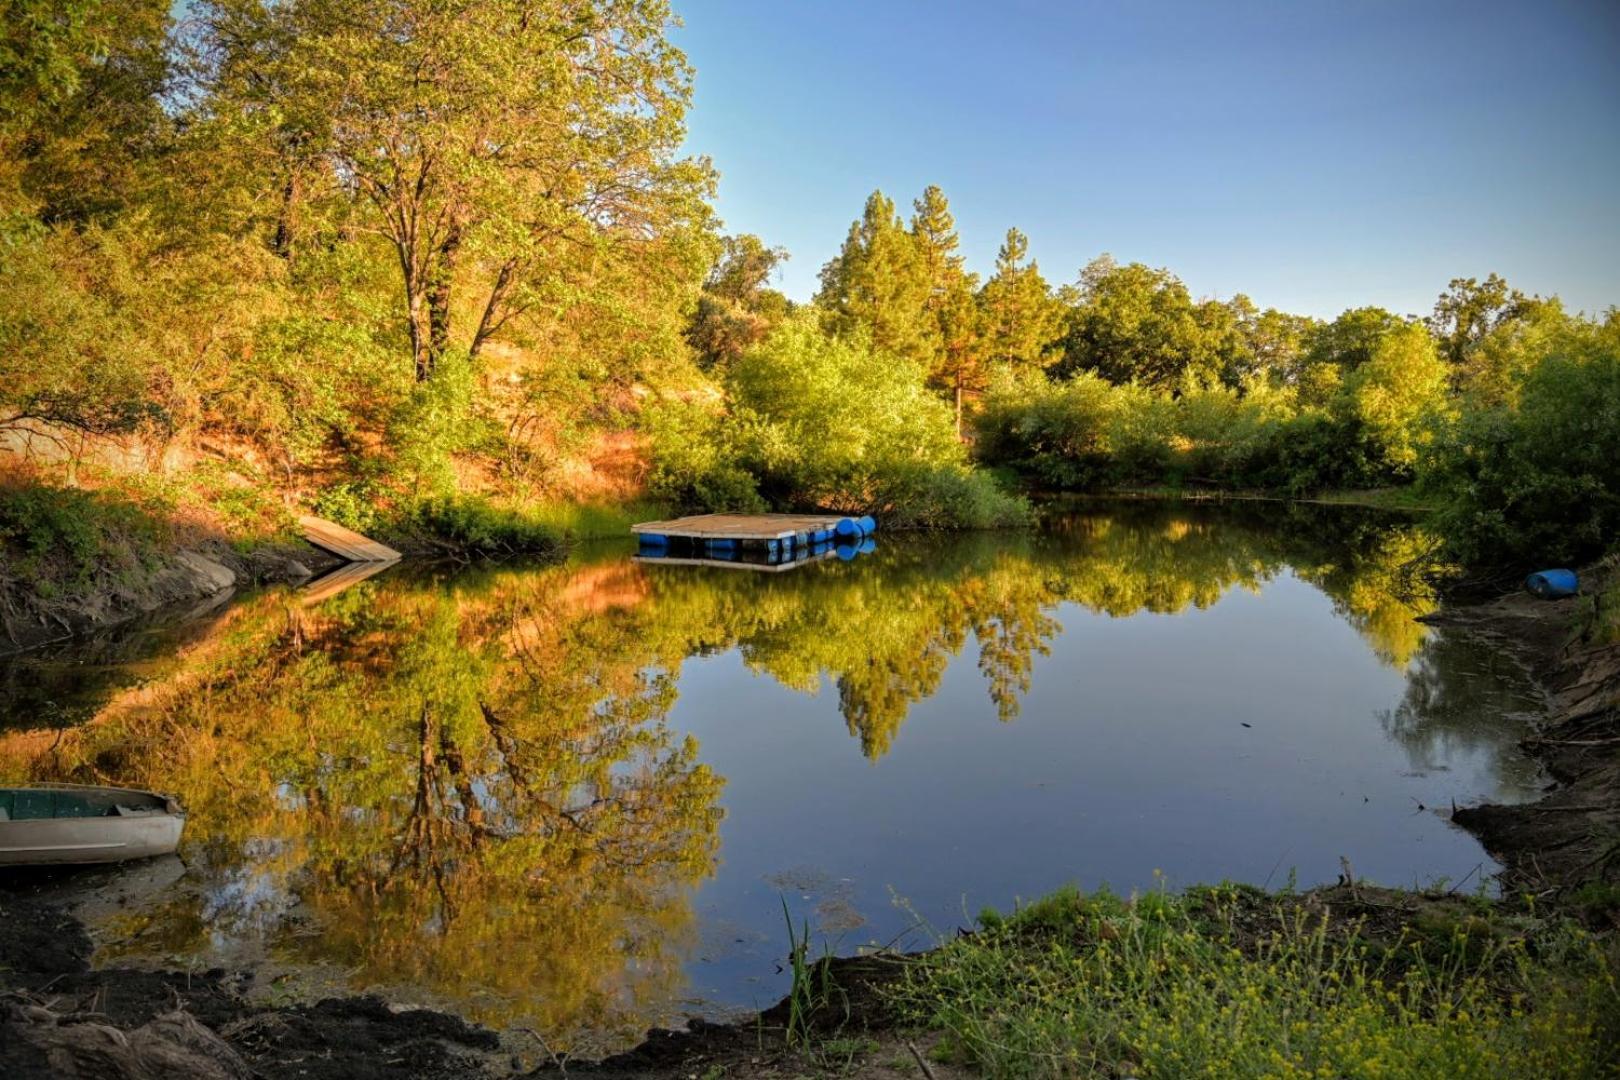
(878,282)
(1021,316)
(958,367)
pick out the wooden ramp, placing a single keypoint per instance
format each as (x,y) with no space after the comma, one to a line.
(344,543)
(740,526)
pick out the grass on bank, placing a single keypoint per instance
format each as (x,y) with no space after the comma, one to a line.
(476,525)
(56,539)
(60,541)
(1228,982)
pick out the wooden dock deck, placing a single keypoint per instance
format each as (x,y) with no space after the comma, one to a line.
(740,526)
(345,543)
(755,541)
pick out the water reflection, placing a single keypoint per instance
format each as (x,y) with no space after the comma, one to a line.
(1459,692)
(470,785)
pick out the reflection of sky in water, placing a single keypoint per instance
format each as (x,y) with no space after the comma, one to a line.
(1129,756)
(1228,719)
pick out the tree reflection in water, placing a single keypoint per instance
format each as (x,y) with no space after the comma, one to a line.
(466,784)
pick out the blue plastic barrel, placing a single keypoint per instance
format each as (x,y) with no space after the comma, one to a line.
(867,524)
(846,552)
(867,546)
(654,540)
(847,529)
(1553,584)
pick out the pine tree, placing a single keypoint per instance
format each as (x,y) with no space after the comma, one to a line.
(1021,316)
(957,367)
(878,283)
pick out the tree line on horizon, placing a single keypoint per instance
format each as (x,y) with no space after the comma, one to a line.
(1499,405)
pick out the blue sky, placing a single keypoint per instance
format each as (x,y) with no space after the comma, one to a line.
(1315,155)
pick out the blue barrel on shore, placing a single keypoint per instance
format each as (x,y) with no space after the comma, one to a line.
(1553,584)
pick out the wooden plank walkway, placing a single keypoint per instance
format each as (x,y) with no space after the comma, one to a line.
(345,543)
(739,526)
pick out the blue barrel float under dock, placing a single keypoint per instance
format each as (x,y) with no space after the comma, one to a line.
(754,541)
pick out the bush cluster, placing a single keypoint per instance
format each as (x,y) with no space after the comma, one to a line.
(812,420)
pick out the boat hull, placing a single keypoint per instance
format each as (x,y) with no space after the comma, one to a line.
(68,841)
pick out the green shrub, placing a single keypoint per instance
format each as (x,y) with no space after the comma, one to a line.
(1086,433)
(60,538)
(352,504)
(1541,482)
(475,524)
(814,421)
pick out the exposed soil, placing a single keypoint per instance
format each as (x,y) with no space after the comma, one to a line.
(1569,841)
(177,583)
(59,1018)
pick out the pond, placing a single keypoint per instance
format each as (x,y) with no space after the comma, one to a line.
(575,797)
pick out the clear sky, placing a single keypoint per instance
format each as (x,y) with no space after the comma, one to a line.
(1315,155)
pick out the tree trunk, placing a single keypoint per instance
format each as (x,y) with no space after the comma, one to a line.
(959,407)
(287,216)
(489,321)
(438,291)
(421,352)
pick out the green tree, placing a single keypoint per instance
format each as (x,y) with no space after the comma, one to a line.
(1021,318)
(1334,349)
(81,119)
(959,366)
(1470,309)
(737,309)
(1137,324)
(1398,397)
(1273,342)
(1495,367)
(1537,481)
(879,283)
(522,155)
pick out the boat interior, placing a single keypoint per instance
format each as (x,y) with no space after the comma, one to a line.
(43,803)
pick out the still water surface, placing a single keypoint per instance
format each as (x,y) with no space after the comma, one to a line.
(574,796)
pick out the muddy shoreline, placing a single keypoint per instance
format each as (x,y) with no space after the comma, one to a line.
(1570,839)
(60,1018)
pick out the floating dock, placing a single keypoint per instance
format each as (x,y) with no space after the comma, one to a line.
(757,541)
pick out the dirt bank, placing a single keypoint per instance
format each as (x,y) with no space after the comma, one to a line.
(1568,841)
(170,585)
(59,1018)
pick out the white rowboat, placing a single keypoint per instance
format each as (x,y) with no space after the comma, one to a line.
(78,823)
